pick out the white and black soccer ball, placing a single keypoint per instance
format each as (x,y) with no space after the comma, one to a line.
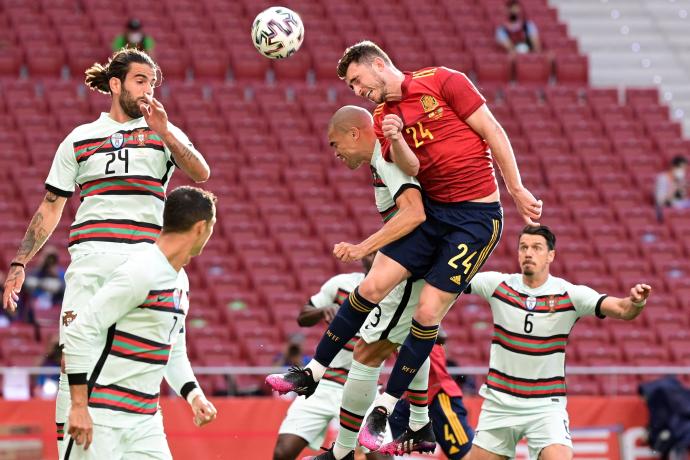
(277,32)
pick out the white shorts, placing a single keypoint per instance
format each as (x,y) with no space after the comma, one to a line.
(392,319)
(84,276)
(308,418)
(144,441)
(500,431)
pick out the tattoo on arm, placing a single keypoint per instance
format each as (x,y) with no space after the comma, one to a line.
(34,238)
(51,197)
(181,152)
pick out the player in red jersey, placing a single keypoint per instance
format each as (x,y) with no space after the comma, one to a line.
(433,124)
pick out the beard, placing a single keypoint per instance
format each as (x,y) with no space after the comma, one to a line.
(129,105)
(381,87)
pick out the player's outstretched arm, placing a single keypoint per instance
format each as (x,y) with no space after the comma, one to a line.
(627,308)
(41,227)
(187,158)
(484,123)
(410,215)
(401,153)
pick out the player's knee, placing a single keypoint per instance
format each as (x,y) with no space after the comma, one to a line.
(282,452)
(373,354)
(372,290)
(427,316)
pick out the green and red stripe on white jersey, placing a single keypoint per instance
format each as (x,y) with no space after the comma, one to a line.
(114,231)
(122,399)
(135,348)
(124,185)
(543,304)
(526,388)
(162,300)
(131,139)
(526,344)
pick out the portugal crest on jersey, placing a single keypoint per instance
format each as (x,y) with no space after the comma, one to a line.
(68,317)
(117,140)
(140,136)
(530,303)
(552,303)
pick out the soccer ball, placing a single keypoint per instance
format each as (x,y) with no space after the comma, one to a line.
(277,32)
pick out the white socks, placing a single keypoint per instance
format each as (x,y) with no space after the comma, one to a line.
(419,398)
(358,394)
(317,369)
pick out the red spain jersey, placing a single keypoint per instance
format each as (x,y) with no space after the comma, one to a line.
(455,162)
(439,378)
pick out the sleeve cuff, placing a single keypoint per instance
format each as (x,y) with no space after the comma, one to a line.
(193,394)
(77,379)
(187,389)
(597,309)
(404,187)
(58,192)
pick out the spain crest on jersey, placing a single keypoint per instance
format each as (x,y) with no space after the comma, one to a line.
(429,103)
(117,140)
(530,302)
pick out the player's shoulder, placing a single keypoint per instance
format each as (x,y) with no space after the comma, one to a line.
(559,285)
(183,280)
(347,279)
(145,266)
(84,131)
(439,72)
(497,277)
(378,111)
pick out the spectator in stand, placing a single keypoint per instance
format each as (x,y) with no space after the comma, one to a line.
(671,189)
(134,37)
(518,34)
(47,283)
(293,354)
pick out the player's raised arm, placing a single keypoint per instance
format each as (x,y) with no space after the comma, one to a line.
(409,215)
(186,157)
(627,308)
(401,153)
(42,225)
(484,123)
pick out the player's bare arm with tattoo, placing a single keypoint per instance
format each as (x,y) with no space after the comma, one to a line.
(186,157)
(41,227)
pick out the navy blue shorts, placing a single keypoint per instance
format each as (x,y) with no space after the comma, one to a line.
(450,247)
(448,419)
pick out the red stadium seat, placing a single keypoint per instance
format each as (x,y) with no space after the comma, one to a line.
(532,69)
(571,69)
(493,68)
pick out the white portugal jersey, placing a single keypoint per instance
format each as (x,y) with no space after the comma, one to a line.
(129,336)
(389,183)
(332,294)
(531,328)
(122,171)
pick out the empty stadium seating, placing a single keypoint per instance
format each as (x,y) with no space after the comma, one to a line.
(285,199)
